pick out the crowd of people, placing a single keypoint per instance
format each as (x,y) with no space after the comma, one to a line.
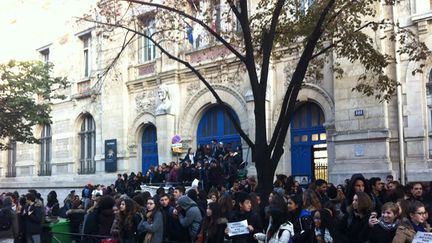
(358,211)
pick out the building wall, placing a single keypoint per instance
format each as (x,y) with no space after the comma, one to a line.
(128,100)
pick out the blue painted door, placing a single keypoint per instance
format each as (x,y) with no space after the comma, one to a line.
(215,124)
(149,148)
(307,130)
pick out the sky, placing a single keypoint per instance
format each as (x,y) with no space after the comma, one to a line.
(26,25)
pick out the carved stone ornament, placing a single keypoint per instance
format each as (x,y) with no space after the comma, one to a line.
(193,88)
(164,101)
(289,72)
(146,101)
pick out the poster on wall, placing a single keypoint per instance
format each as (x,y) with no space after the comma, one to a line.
(111,155)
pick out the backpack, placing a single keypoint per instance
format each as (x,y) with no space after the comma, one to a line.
(5,219)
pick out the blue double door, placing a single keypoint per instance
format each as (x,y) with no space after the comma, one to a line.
(308,142)
(149,148)
(215,124)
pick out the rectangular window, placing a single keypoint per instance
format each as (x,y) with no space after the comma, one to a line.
(305,4)
(217,17)
(146,48)
(11,169)
(45,55)
(86,41)
(238,28)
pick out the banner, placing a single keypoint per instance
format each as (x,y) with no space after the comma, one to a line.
(111,155)
(238,228)
(422,237)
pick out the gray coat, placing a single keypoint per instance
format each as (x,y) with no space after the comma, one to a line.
(192,219)
(156,227)
(13,230)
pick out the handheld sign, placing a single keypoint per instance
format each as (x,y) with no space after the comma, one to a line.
(422,237)
(238,228)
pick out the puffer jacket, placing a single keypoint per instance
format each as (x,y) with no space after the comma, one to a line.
(192,218)
(282,235)
(405,232)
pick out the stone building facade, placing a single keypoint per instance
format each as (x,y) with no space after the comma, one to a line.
(147,99)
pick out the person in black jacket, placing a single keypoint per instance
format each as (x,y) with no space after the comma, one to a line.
(294,210)
(355,222)
(33,216)
(214,224)
(384,229)
(52,208)
(120,185)
(242,212)
(99,220)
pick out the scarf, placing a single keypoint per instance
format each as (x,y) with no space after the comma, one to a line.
(326,237)
(388,226)
(418,228)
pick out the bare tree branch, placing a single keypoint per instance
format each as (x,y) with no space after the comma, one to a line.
(195,71)
(281,129)
(114,61)
(204,25)
(267,46)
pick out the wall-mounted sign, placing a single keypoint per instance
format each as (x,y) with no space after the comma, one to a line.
(359,150)
(359,113)
(111,155)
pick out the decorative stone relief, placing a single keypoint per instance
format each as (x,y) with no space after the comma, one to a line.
(310,77)
(231,81)
(193,88)
(146,101)
(164,105)
(132,149)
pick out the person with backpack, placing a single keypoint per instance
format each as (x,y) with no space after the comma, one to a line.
(8,222)
(189,216)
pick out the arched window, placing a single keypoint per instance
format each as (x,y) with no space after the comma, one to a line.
(11,168)
(87,146)
(45,153)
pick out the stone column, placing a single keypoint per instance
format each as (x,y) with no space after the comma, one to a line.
(165,124)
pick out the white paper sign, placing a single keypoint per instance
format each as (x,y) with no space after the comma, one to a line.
(422,237)
(238,228)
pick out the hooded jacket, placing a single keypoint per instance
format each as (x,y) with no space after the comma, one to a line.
(192,218)
(14,229)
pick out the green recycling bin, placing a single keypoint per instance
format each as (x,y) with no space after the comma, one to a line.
(57,231)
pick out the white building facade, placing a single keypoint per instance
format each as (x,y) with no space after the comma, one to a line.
(125,121)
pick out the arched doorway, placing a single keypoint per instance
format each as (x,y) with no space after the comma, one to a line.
(215,124)
(149,147)
(308,142)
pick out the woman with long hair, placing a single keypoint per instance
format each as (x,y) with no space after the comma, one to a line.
(355,222)
(384,228)
(415,222)
(152,223)
(227,203)
(128,221)
(323,230)
(212,230)
(279,229)
(52,208)
(294,210)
